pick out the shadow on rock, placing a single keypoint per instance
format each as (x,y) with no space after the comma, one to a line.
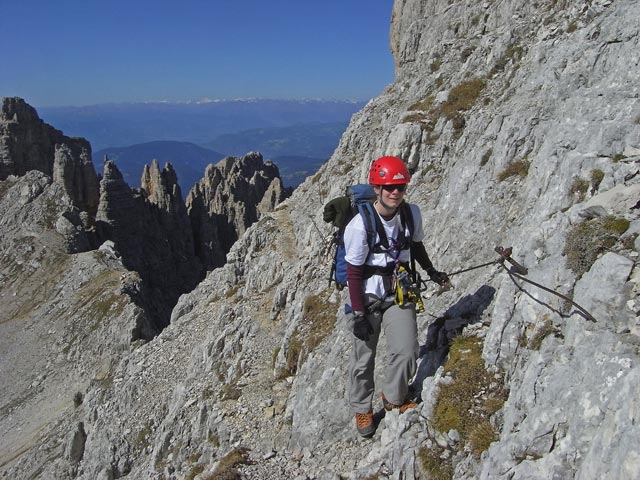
(433,353)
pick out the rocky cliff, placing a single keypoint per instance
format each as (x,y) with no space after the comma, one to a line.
(231,196)
(27,143)
(80,288)
(151,232)
(521,124)
(66,319)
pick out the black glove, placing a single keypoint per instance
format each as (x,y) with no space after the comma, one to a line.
(440,278)
(362,329)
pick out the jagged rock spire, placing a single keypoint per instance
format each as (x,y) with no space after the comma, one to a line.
(28,143)
(231,196)
(151,231)
(161,187)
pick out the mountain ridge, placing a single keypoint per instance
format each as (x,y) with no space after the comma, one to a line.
(127,124)
(188,159)
(519,122)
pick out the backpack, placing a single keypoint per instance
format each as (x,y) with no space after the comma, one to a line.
(359,198)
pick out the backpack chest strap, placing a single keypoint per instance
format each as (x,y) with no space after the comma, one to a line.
(400,243)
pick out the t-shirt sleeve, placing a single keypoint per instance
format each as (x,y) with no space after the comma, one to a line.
(418,230)
(355,242)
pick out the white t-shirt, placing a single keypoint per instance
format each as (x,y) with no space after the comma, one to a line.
(357,249)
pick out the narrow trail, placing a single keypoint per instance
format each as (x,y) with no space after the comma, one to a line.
(258,414)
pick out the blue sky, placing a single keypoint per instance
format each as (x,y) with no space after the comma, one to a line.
(71,52)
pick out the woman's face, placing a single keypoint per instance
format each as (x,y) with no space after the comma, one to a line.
(391,196)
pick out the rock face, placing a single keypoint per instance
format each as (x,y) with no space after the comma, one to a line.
(521,124)
(71,310)
(151,231)
(27,143)
(233,194)
(66,319)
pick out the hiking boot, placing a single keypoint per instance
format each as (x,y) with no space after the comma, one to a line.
(388,406)
(364,424)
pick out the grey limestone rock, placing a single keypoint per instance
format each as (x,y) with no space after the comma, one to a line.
(515,118)
(27,143)
(75,445)
(232,195)
(151,231)
(65,322)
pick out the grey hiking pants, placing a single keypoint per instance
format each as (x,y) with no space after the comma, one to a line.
(401,333)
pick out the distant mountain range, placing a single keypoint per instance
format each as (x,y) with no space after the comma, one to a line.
(294,169)
(190,161)
(317,140)
(111,125)
(298,135)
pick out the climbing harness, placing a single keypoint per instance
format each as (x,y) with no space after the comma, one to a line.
(405,286)
(516,271)
(407,290)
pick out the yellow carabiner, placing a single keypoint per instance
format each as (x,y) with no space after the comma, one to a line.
(399,293)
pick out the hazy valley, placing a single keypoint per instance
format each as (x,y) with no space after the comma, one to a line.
(144,336)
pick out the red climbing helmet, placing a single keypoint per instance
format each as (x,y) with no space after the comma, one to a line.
(388,171)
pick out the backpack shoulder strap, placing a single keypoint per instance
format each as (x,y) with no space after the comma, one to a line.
(406,219)
(373,225)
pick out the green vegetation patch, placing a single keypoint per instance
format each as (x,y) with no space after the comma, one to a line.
(318,321)
(481,437)
(292,356)
(586,240)
(194,472)
(543,331)
(214,440)
(230,391)
(597,176)
(579,188)
(142,438)
(462,97)
(423,105)
(519,168)
(436,467)
(415,117)
(474,394)
(108,305)
(320,316)
(512,54)
(226,468)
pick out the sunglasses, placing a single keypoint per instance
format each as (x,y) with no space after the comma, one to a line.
(390,188)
